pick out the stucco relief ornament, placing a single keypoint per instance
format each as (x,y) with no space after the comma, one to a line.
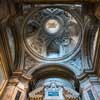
(54,92)
(29,62)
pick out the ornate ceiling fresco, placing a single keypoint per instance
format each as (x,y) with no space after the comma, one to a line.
(52,34)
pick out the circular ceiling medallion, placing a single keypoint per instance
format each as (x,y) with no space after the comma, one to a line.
(52,26)
(52,34)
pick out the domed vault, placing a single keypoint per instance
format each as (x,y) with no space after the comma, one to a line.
(52,34)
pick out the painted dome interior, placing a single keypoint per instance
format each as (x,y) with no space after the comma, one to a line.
(51,33)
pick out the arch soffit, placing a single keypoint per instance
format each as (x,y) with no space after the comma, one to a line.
(43,69)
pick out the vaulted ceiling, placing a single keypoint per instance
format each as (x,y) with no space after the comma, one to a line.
(51,37)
